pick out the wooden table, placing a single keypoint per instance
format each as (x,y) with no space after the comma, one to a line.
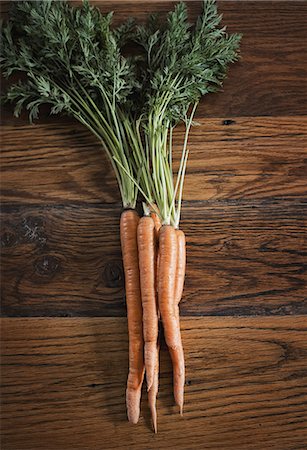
(64,336)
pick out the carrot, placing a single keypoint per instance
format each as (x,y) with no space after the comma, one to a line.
(157,222)
(153,391)
(166,287)
(181,263)
(146,247)
(158,225)
(128,233)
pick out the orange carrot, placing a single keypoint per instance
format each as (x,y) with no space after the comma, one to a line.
(146,247)
(157,222)
(166,287)
(158,225)
(152,393)
(181,263)
(128,233)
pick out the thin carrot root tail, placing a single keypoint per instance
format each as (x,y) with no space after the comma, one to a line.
(154,420)
(150,351)
(153,411)
(181,409)
(153,392)
(134,389)
(177,357)
(133,399)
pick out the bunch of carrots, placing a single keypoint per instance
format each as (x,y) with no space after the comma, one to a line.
(154,262)
(72,59)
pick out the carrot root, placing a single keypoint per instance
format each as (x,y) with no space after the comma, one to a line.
(128,232)
(179,283)
(181,265)
(168,251)
(153,392)
(147,251)
(157,223)
(133,393)
(150,350)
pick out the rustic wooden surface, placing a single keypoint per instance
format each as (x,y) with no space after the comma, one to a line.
(64,386)
(63,379)
(246,159)
(242,259)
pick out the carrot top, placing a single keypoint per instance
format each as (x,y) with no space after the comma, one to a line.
(73,60)
(180,63)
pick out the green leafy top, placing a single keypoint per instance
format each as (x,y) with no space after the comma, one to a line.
(181,64)
(59,47)
(73,61)
(184,62)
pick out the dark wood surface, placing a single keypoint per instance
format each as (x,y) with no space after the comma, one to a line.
(244,214)
(243,259)
(271,77)
(245,158)
(64,386)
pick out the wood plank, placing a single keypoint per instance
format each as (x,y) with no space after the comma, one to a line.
(246,158)
(64,386)
(269,19)
(271,77)
(243,259)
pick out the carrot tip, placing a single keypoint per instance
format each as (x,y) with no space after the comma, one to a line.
(132,419)
(154,423)
(181,410)
(133,398)
(149,379)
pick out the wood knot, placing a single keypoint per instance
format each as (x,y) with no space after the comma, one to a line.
(8,239)
(33,230)
(47,265)
(228,122)
(113,274)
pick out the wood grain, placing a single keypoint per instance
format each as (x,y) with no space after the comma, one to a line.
(269,19)
(64,382)
(63,379)
(243,259)
(245,158)
(272,74)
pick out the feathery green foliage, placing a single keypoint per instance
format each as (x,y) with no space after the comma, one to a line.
(184,62)
(73,60)
(181,64)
